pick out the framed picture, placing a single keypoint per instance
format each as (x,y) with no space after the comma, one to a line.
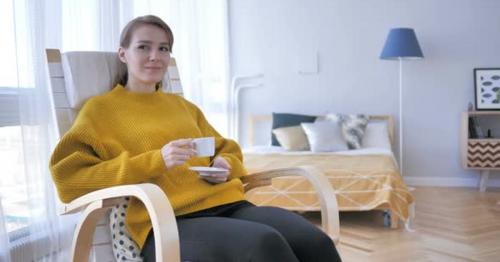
(487,88)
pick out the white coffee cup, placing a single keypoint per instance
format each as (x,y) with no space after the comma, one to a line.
(204,146)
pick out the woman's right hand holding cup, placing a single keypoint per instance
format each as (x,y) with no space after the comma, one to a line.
(177,152)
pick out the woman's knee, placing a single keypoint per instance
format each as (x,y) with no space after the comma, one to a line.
(270,245)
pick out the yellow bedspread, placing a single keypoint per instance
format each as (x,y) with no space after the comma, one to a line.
(361,182)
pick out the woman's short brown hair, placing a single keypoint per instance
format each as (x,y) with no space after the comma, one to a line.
(129,29)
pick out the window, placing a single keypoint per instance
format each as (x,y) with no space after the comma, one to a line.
(8,70)
(12,185)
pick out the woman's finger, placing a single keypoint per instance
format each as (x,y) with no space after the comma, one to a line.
(182,151)
(185,142)
(215,180)
(221,162)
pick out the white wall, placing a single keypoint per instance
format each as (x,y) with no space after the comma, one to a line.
(348,35)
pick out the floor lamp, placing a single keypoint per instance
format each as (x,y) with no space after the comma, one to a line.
(401,44)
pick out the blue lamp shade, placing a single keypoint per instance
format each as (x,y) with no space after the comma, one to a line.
(401,43)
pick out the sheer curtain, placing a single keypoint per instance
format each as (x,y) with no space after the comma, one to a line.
(4,243)
(201,42)
(202,48)
(46,235)
(200,30)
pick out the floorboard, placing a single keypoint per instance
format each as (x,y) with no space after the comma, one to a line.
(451,224)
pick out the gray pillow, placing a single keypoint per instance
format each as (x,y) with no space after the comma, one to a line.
(353,128)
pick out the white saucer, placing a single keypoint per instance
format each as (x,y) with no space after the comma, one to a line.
(208,171)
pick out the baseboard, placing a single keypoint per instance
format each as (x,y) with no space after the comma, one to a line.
(449,181)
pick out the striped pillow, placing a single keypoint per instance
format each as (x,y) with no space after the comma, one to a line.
(353,127)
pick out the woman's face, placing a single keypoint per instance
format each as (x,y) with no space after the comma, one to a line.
(147,56)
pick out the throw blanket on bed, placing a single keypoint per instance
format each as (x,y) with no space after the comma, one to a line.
(361,182)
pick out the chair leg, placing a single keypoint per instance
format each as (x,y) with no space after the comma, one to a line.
(84,232)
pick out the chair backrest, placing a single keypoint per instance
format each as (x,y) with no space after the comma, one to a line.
(74,78)
(77,76)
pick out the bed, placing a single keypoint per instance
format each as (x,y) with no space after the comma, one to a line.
(363,179)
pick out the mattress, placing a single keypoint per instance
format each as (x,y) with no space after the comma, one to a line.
(363,179)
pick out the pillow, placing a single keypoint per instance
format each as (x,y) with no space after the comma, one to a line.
(376,135)
(353,128)
(292,138)
(124,248)
(285,120)
(324,136)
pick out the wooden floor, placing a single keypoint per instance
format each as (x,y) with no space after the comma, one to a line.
(451,224)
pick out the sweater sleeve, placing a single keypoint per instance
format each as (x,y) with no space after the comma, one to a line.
(226,148)
(79,165)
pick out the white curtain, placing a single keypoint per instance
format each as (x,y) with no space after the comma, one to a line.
(4,241)
(43,236)
(200,45)
(203,55)
(200,31)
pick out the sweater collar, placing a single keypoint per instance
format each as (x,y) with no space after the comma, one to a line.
(122,90)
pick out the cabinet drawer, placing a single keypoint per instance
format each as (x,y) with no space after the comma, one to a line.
(483,153)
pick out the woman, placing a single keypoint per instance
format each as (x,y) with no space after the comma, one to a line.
(136,133)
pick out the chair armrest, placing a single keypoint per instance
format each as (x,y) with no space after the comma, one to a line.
(160,211)
(326,195)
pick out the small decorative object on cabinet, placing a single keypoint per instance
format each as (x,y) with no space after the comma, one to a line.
(479,152)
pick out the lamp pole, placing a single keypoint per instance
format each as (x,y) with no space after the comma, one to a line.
(401,170)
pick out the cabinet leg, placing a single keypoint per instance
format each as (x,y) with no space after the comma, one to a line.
(483,180)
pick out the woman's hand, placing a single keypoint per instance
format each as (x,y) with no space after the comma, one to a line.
(219,177)
(177,152)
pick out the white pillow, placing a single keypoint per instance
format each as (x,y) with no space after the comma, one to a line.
(376,135)
(124,248)
(324,136)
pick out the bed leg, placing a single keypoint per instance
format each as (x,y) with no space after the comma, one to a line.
(387,218)
(394,220)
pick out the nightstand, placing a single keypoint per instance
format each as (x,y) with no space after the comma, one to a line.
(479,153)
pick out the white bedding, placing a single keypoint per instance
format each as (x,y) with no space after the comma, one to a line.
(262,150)
(281,150)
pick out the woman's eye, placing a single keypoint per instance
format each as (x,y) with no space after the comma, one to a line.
(164,49)
(143,47)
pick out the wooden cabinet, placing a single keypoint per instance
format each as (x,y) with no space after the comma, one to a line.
(480,153)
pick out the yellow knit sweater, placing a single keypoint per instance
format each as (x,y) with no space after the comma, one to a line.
(116,140)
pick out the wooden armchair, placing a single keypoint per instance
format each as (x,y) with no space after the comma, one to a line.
(92,236)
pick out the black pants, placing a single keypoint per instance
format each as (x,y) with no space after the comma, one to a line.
(243,232)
